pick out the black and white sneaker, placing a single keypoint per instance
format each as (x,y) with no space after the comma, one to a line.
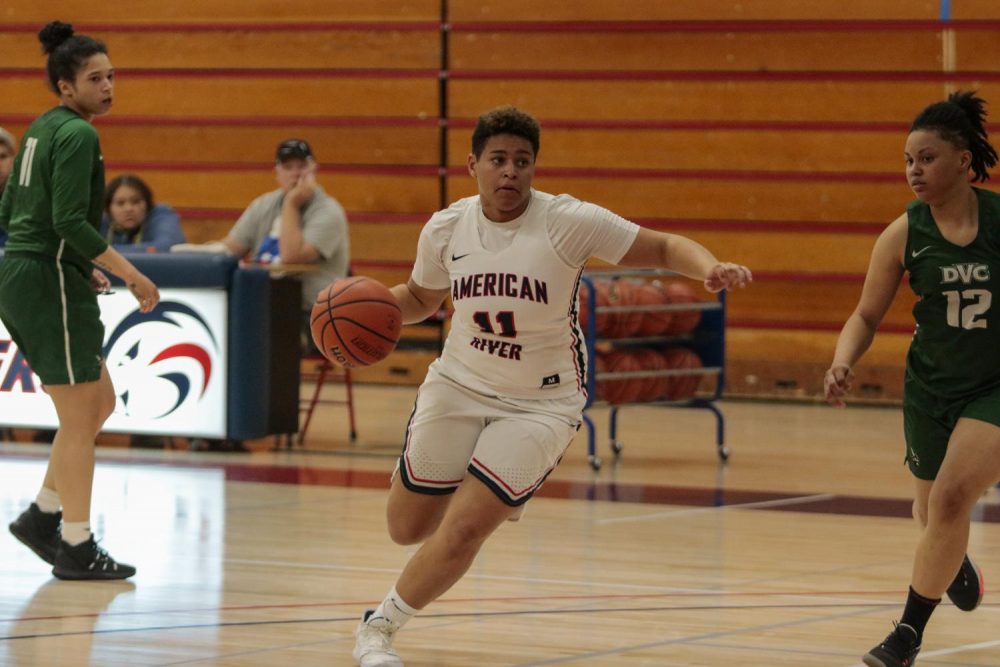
(39,531)
(88,561)
(899,649)
(966,592)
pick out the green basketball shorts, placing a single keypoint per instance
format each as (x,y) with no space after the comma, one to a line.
(52,315)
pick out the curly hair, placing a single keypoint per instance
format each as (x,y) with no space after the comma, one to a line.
(961,121)
(505,120)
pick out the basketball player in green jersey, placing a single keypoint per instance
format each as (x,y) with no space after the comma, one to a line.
(949,242)
(51,209)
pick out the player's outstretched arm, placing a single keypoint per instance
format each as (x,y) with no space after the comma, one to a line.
(686,257)
(417,303)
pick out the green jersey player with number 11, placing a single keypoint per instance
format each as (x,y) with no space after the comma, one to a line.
(949,243)
(51,209)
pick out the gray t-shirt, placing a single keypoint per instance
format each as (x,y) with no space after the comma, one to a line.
(324,226)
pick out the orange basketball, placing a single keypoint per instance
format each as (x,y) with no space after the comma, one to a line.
(355,321)
(651,360)
(618,391)
(623,293)
(654,323)
(683,321)
(602,320)
(600,386)
(584,306)
(607,390)
(682,387)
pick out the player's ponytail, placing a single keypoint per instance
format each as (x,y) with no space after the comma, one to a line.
(984,155)
(67,51)
(961,120)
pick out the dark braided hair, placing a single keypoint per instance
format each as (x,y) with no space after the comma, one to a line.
(961,121)
(505,120)
(67,51)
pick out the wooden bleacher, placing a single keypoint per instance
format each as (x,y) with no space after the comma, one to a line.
(769,130)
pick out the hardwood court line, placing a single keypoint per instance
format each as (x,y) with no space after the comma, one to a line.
(476,615)
(606,597)
(657,591)
(697,638)
(771,649)
(579,599)
(589,583)
(782,502)
(184,626)
(211,660)
(961,648)
(825,574)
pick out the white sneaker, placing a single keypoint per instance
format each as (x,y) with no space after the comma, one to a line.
(373,647)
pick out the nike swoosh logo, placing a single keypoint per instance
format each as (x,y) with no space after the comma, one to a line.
(455,257)
(914,253)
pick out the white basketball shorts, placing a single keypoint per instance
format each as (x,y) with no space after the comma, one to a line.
(511,445)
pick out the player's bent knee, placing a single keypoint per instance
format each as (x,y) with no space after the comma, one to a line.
(413,523)
(471,529)
(406,533)
(953,502)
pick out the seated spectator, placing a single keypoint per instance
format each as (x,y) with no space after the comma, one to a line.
(297,224)
(8,149)
(134,222)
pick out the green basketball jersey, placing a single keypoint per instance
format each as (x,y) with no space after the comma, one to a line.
(53,201)
(955,351)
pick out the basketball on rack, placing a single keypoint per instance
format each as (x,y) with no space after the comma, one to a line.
(654,322)
(622,293)
(625,390)
(647,359)
(683,321)
(682,387)
(584,312)
(651,360)
(355,321)
(603,321)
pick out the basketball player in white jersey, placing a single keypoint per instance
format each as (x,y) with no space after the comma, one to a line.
(499,407)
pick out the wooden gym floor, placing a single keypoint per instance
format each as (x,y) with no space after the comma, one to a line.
(796,553)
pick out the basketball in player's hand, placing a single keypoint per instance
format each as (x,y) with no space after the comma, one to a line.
(355,321)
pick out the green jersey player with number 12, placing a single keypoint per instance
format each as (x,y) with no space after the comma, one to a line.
(949,242)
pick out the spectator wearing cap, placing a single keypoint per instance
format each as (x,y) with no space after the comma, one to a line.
(297,224)
(8,149)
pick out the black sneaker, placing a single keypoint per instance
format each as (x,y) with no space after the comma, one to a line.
(88,561)
(966,592)
(39,531)
(899,649)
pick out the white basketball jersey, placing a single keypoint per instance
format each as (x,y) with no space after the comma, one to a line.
(515,330)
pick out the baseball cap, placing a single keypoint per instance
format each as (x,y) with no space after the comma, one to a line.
(8,138)
(293,148)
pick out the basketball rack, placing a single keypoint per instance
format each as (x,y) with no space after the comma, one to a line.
(707,340)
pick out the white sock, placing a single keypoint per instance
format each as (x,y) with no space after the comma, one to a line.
(47,500)
(394,610)
(75,532)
